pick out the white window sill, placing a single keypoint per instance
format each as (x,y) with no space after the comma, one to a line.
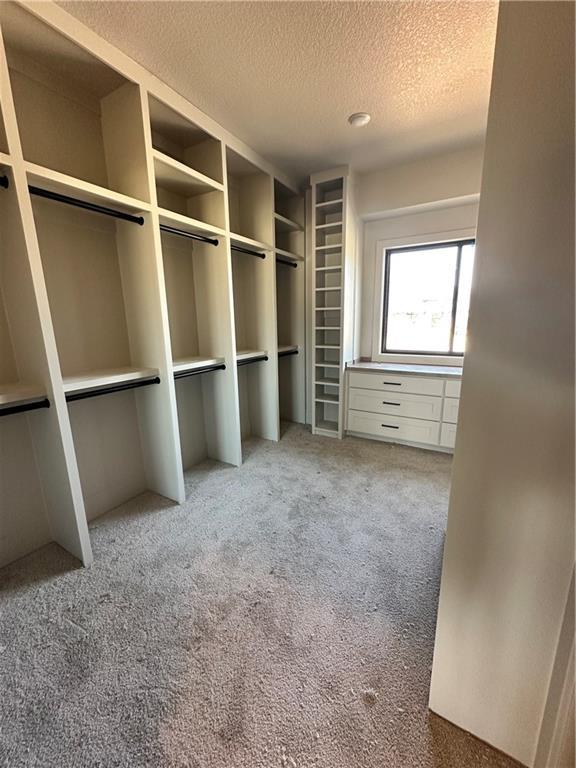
(457,362)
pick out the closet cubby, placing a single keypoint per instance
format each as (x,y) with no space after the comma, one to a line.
(329,193)
(76,115)
(187,167)
(36,499)
(250,201)
(290,277)
(288,221)
(256,343)
(200,321)
(99,278)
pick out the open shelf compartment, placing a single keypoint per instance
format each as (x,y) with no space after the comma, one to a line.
(76,115)
(291,337)
(250,199)
(199,315)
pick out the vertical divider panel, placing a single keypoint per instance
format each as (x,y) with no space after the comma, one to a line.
(148,327)
(37,358)
(232,406)
(261,188)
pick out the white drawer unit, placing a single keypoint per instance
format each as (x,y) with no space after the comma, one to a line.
(417,385)
(453,388)
(396,403)
(394,427)
(450,413)
(448,435)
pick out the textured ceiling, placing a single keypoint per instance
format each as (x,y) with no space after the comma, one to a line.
(284,76)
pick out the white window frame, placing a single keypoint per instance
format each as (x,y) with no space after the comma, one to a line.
(400,242)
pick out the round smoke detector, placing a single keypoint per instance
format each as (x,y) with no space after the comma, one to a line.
(359,119)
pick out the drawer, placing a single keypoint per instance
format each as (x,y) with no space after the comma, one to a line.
(394,427)
(448,435)
(396,404)
(451,405)
(417,385)
(453,388)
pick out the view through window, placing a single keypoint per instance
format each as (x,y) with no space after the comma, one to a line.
(427,297)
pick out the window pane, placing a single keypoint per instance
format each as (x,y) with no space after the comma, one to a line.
(464,287)
(420,296)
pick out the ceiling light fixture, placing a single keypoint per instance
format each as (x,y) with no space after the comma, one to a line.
(359,119)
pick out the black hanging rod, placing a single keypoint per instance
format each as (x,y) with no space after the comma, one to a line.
(23,407)
(251,360)
(72,396)
(287,352)
(49,195)
(286,262)
(241,249)
(4,182)
(197,371)
(190,235)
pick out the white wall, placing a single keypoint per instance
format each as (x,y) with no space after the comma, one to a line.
(453,221)
(509,551)
(445,177)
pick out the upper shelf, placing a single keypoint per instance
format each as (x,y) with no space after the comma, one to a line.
(62,184)
(187,224)
(180,178)
(284,224)
(185,364)
(20,394)
(249,242)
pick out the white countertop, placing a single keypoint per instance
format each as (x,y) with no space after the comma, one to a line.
(447,371)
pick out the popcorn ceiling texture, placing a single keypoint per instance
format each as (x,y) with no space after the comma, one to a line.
(282,617)
(284,76)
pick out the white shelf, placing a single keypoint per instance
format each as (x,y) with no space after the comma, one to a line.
(179,221)
(20,394)
(328,309)
(193,363)
(329,203)
(327,328)
(327,346)
(329,269)
(288,254)
(180,178)
(284,224)
(98,379)
(62,184)
(249,354)
(331,225)
(327,382)
(328,247)
(330,427)
(5,159)
(283,349)
(335,399)
(327,290)
(327,364)
(249,242)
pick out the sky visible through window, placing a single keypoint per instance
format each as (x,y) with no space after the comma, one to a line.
(421,296)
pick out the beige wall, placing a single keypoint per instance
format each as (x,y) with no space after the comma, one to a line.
(444,177)
(509,550)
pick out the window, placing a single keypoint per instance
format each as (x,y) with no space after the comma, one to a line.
(426,298)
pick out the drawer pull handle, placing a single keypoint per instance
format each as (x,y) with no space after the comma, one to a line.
(393,383)
(386,402)
(389,426)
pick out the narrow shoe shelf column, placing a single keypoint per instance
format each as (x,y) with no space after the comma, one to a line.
(333,238)
(251,209)
(289,244)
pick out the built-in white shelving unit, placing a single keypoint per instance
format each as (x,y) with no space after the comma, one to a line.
(333,343)
(151,292)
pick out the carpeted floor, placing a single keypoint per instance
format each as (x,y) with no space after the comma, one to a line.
(284,616)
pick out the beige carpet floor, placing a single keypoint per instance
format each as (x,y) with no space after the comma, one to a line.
(283,617)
